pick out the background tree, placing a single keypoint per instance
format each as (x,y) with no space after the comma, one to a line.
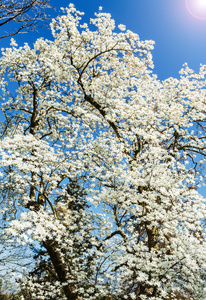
(23,16)
(90,125)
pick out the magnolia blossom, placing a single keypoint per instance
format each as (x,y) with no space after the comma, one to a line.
(105,163)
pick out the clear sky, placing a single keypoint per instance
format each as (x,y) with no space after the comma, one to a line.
(178,28)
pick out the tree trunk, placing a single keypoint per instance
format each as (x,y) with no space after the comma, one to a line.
(61,269)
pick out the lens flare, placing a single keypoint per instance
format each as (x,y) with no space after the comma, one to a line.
(197,8)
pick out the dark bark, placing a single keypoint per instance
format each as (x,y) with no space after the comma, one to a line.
(61,268)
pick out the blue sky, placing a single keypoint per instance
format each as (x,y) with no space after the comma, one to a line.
(179,36)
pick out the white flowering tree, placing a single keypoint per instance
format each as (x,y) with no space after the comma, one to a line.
(106,163)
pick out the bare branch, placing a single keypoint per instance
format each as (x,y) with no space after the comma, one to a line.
(24,16)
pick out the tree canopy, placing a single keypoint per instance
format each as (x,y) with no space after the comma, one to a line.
(105,162)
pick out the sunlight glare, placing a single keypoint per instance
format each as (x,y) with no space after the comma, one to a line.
(197,8)
(201,3)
